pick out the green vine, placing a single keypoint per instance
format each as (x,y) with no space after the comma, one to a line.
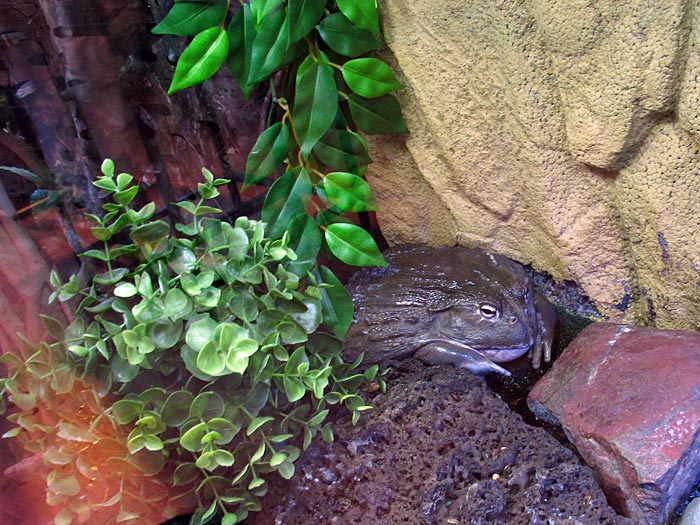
(335,91)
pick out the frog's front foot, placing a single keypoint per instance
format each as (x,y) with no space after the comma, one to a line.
(451,353)
(546,321)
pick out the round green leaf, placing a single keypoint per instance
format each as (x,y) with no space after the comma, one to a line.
(311,318)
(68,486)
(237,357)
(286,469)
(192,439)
(122,370)
(353,245)
(182,260)
(209,297)
(315,105)
(344,37)
(126,410)
(185,474)
(377,115)
(150,232)
(207,405)
(211,359)
(203,57)
(200,333)
(148,311)
(267,155)
(349,192)
(176,408)
(177,305)
(107,168)
(165,333)
(226,335)
(370,77)
(226,429)
(362,13)
(125,290)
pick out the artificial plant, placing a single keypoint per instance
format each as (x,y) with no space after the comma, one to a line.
(222,348)
(329,90)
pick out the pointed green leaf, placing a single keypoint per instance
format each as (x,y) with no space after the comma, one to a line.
(315,105)
(342,150)
(106,184)
(261,8)
(362,13)
(305,240)
(267,155)
(377,115)
(349,192)
(95,254)
(303,16)
(241,35)
(310,59)
(203,57)
(270,46)
(336,302)
(190,18)
(370,77)
(286,198)
(344,37)
(353,245)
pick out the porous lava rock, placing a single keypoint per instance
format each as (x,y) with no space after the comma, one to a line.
(439,447)
(629,400)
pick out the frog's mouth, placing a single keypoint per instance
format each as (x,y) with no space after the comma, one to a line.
(503,355)
(497,355)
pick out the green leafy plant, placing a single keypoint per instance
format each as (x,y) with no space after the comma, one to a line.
(331,90)
(222,345)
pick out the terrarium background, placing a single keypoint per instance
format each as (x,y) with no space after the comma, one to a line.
(81,81)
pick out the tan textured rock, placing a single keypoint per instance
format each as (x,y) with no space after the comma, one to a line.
(545,130)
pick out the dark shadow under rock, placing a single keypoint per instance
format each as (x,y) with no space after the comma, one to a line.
(438,448)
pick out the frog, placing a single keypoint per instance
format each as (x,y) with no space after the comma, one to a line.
(449,305)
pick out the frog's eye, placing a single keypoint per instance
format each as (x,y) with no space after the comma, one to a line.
(488,311)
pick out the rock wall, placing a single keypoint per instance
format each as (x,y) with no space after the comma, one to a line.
(562,133)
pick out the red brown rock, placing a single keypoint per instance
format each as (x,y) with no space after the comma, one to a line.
(629,400)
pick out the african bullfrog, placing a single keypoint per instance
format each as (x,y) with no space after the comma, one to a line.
(449,305)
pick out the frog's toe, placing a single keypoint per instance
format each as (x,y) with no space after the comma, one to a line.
(542,349)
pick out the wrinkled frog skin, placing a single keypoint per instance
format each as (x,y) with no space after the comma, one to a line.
(449,305)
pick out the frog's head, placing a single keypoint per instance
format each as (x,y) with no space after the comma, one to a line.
(493,310)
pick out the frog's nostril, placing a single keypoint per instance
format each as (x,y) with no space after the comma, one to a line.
(513,320)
